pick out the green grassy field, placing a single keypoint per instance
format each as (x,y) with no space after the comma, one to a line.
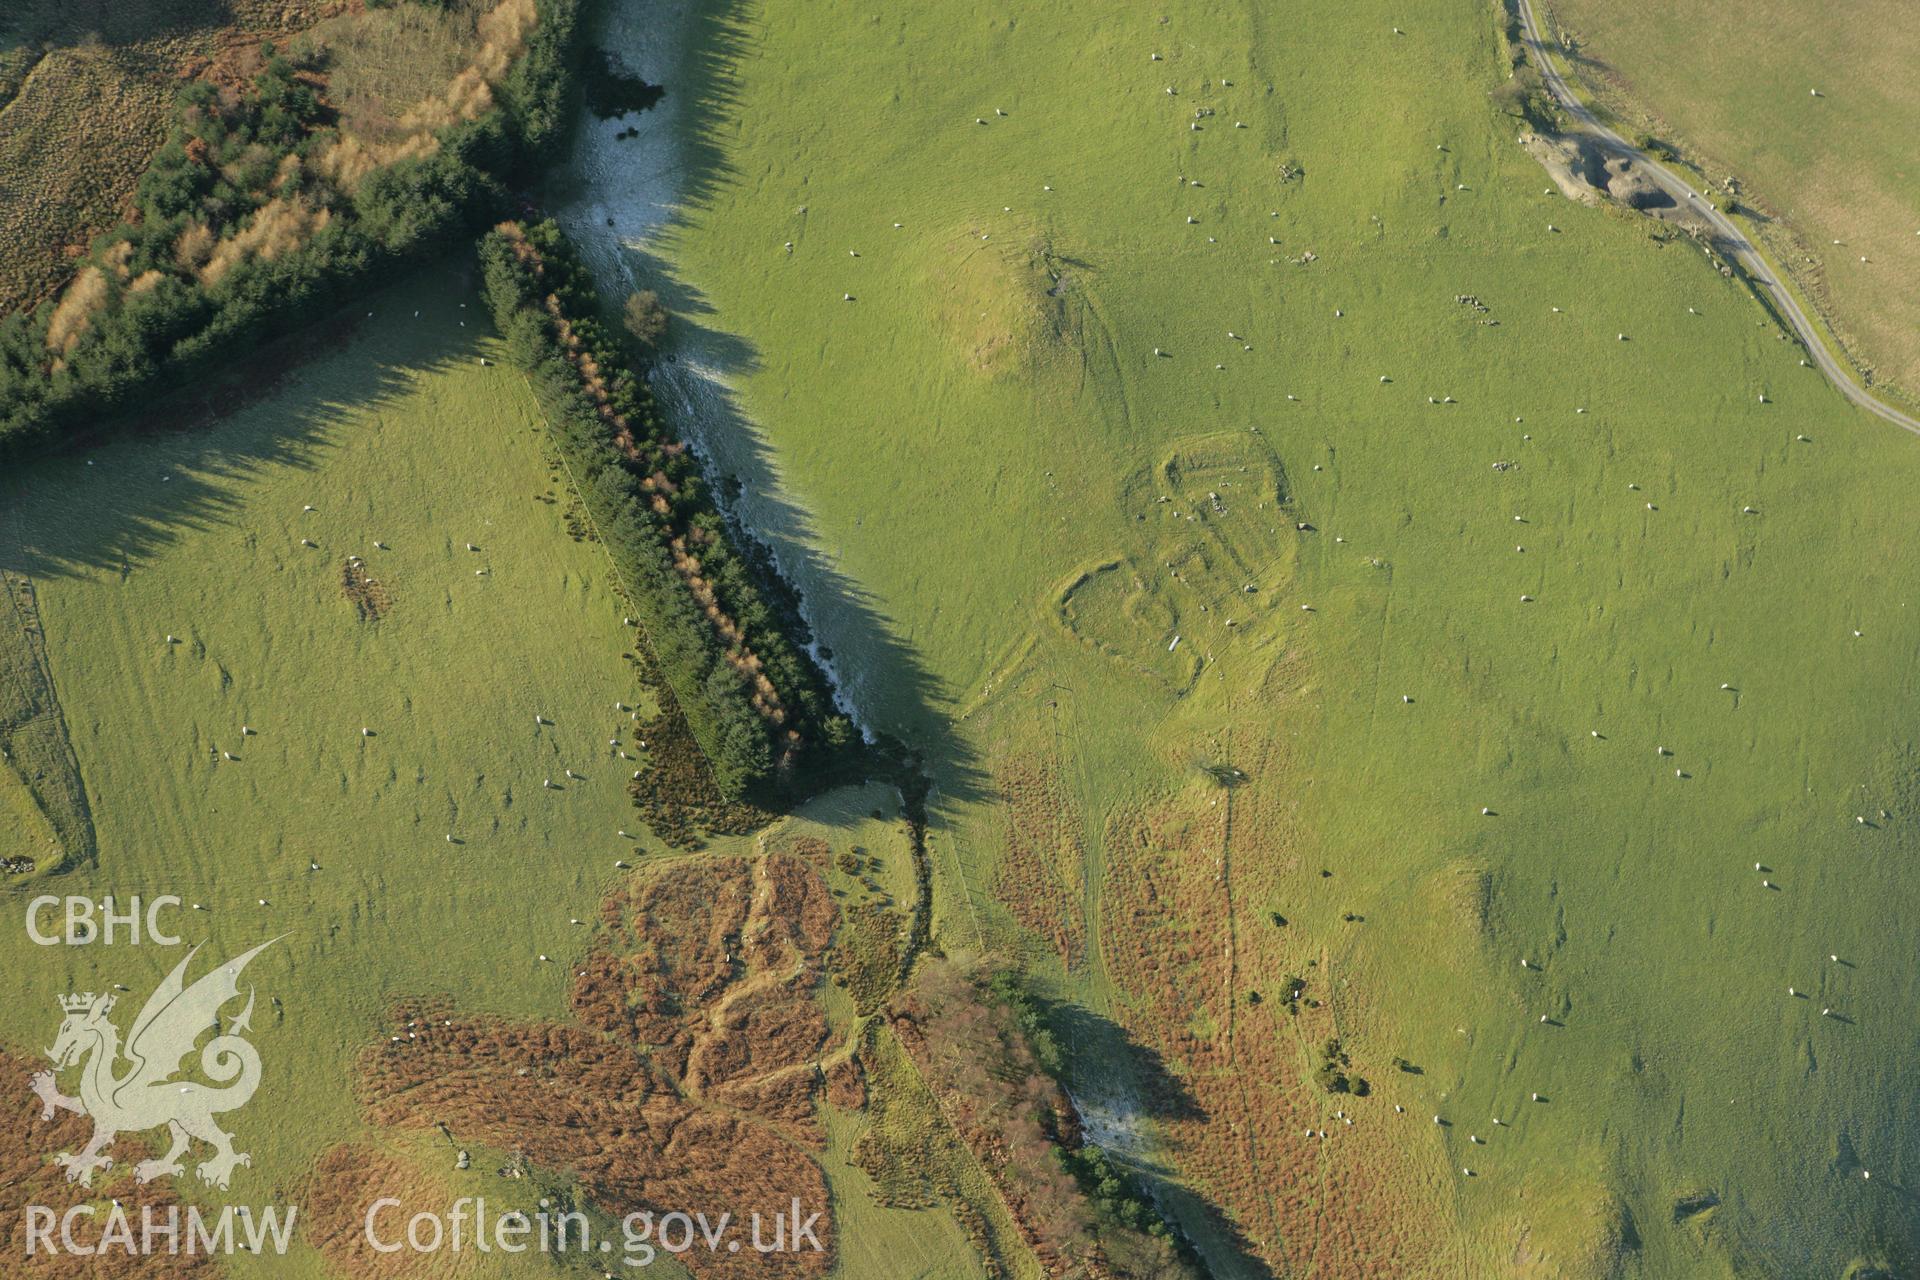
(398,437)
(1147,483)
(942,456)
(1836,167)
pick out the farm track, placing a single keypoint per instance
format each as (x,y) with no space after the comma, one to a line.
(1728,238)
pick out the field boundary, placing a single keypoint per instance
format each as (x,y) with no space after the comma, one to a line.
(1775,241)
(42,732)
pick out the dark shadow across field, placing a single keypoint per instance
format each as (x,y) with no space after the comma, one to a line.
(195,445)
(705,408)
(693,386)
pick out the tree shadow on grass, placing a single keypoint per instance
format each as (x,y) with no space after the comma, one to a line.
(137,486)
(1117,1082)
(133,489)
(640,193)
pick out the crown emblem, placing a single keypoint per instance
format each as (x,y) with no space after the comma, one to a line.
(81,1003)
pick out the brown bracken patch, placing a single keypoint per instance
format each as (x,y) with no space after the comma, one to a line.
(1039,878)
(689,1082)
(847,1084)
(28,1176)
(1188,934)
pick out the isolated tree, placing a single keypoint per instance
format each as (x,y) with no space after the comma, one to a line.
(645,319)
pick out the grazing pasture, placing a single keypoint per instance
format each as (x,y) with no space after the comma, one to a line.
(1812,108)
(1546,594)
(367,786)
(343,667)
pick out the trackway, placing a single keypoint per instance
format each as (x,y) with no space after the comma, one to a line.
(1729,238)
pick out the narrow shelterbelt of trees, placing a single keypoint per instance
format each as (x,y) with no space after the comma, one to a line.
(259,215)
(757,706)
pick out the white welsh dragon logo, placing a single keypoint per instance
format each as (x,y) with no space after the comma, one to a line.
(145,1095)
